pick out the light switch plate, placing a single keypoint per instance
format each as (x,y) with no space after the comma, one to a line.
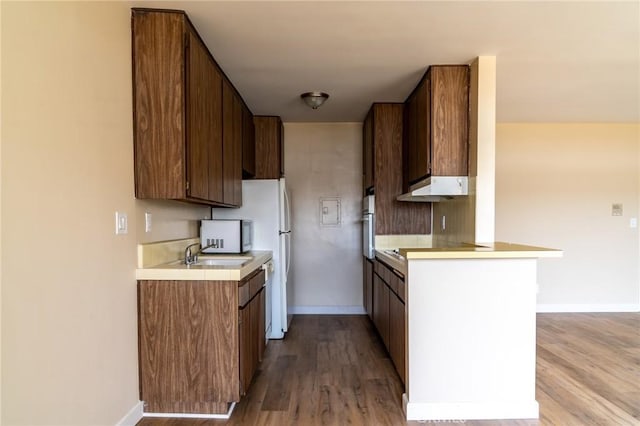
(121,223)
(633,222)
(147,222)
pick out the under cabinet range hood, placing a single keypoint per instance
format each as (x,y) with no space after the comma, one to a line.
(437,188)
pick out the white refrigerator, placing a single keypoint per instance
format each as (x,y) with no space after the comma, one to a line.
(266,203)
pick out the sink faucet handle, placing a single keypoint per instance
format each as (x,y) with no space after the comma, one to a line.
(189,258)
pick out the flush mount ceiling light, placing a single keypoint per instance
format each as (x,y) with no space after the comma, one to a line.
(314,99)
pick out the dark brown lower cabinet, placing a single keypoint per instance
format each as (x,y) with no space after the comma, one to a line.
(381,308)
(367,286)
(251,321)
(389,313)
(199,342)
(397,329)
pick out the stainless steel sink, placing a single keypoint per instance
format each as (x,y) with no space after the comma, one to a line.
(222,262)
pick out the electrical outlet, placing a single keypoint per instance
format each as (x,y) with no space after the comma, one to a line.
(616,209)
(121,223)
(147,222)
(633,222)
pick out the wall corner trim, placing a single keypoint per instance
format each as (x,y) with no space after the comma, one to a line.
(133,416)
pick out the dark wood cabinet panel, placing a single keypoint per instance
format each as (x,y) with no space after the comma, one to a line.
(248,144)
(436,124)
(204,130)
(179,131)
(262,338)
(389,312)
(381,309)
(231,145)
(397,334)
(159,142)
(450,120)
(367,153)
(200,342)
(188,333)
(252,338)
(392,216)
(269,140)
(199,114)
(244,327)
(367,288)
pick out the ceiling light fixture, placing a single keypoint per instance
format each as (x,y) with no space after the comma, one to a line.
(314,99)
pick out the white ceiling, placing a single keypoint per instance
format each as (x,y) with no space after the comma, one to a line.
(568,61)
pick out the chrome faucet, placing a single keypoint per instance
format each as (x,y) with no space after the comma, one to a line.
(191,258)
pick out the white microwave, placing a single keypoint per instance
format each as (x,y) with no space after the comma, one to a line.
(226,236)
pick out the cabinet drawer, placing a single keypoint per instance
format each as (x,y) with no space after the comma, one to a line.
(256,283)
(400,288)
(249,286)
(243,293)
(393,279)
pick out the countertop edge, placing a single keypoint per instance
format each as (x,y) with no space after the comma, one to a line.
(165,272)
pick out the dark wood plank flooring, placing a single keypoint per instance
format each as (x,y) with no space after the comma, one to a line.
(333,370)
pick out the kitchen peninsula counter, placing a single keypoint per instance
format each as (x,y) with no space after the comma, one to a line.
(470,330)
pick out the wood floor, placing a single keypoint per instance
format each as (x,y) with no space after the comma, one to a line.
(333,370)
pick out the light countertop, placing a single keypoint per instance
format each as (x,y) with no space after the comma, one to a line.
(497,250)
(177,270)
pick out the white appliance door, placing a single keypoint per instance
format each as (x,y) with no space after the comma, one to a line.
(367,236)
(285,207)
(285,265)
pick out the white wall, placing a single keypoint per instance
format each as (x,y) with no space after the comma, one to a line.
(555,184)
(325,160)
(69,322)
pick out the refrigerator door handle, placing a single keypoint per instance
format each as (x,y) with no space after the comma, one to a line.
(287,210)
(288,238)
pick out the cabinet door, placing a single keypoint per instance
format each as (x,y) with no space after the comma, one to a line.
(158,104)
(367,153)
(188,343)
(204,130)
(231,145)
(393,216)
(244,340)
(449,120)
(269,149)
(367,288)
(423,130)
(248,144)
(397,334)
(255,333)
(262,342)
(381,309)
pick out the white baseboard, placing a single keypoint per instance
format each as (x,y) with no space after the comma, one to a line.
(133,416)
(470,410)
(577,307)
(195,416)
(327,310)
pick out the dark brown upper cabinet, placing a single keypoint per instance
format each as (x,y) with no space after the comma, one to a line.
(231,145)
(436,125)
(178,113)
(269,140)
(382,170)
(248,144)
